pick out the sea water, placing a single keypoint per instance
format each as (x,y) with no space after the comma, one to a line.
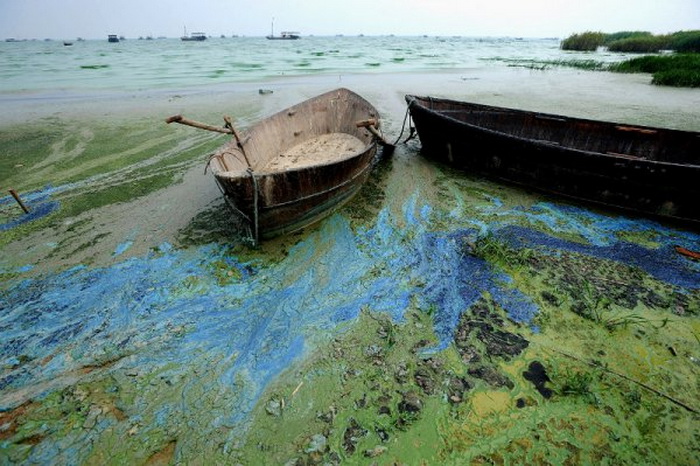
(44,67)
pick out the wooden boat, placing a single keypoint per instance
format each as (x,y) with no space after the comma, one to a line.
(649,170)
(296,166)
(112,38)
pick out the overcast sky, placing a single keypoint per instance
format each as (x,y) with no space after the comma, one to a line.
(67,19)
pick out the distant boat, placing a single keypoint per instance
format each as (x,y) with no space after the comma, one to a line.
(285,35)
(195,36)
(112,38)
(67,44)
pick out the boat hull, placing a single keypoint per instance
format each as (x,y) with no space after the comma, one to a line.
(277,202)
(653,171)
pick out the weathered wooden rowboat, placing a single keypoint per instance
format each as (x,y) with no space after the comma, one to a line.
(649,170)
(296,166)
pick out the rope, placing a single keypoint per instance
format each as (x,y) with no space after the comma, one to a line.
(403,126)
(255,205)
(628,378)
(412,130)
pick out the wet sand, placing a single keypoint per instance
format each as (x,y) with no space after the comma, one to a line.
(628,98)
(149,221)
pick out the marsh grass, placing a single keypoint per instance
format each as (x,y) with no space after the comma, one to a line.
(500,253)
(588,41)
(633,41)
(639,45)
(576,384)
(668,70)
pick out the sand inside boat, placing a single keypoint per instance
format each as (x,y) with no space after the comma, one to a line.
(318,150)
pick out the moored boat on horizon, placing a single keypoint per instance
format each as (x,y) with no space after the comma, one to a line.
(284,35)
(195,37)
(653,171)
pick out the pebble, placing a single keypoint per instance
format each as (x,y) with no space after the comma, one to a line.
(376,451)
(317,444)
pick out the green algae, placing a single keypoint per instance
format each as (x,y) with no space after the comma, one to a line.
(354,384)
(350,391)
(96,166)
(355,397)
(621,389)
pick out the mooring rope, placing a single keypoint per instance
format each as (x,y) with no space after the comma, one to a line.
(255,204)
(411,134)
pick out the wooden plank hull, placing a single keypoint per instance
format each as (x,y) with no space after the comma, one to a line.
(280,201)
(652,171)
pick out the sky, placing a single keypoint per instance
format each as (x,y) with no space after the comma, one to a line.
(94,19)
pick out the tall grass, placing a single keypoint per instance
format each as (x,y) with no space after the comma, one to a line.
(668,70)
(650,44)
(586,41)
(685,41)
(634,41)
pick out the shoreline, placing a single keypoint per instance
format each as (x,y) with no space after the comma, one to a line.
(624,98)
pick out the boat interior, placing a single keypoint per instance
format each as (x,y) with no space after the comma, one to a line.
(319,131)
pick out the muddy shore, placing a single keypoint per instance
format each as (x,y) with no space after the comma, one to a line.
(437,318)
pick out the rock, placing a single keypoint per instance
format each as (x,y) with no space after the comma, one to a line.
(537,374)
(274,407)
(352,435)
(411,403)
(376,451)
(401,375)
(491,376)
(91,419)
(318,443)
(457,386)
(424,380)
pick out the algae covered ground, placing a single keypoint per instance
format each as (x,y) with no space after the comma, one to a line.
(438,318)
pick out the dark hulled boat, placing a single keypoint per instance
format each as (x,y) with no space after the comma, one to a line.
(285,35)
(653,171)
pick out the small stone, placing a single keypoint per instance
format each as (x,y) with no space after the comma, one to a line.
(376,451)
(274,407)
(91,419)
(410,403)
(318,444)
